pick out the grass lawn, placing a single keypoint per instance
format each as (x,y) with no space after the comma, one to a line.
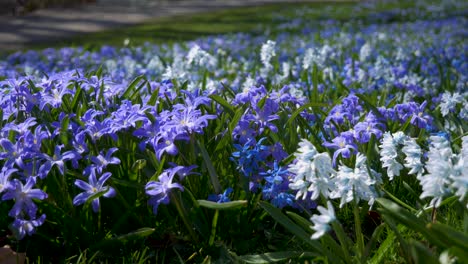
(168,30)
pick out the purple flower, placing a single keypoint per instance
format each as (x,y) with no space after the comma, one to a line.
(344,145)
(243,132)
(277,151)
(23,227)
(21,128)
(79,142)
(249,156)
(364,130)
(33,141)
(182,171)
(125,117)
(101,161)
(97,129)
(23,195)
(93,187)
(189,120)
(419,118)
(165,143)
(12,154)
(57,159)
(5,174)
(53,97)
(159,191)
(263,117)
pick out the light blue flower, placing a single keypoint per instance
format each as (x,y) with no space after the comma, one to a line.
(322,222)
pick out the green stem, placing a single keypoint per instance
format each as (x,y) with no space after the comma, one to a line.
(398,201)
(213,227)
(342,238)
(175,199)
(359,236)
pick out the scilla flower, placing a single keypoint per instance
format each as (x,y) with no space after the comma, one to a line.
(322,222)
(439,168)
(312,172)
(355,183)
(93,187)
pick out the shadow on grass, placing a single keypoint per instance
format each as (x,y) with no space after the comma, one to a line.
(190,26)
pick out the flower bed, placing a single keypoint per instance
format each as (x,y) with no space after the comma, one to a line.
(205,146)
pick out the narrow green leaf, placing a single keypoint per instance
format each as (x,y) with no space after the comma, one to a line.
(449,235)
(76,98)
(140,233)
(132,86)
(385,247)
(227,106)
(373,241)
(304,223)
(408,219)
(222,206)
(210,167)
(290,225)
(302,108)
(276,256)
(139,165)
(422,254)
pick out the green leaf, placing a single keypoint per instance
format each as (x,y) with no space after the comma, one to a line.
(422,254)
(276,256)
(227,106)
(385,247)
(304,223)
(290,225)
(210,167)
(369,104)
(449,235)
(408,219)
(110,243)
(373,241)
(76,98)
(64,130)
(140,233)
(132,86)
(139,165)
(222,206)
(302,108)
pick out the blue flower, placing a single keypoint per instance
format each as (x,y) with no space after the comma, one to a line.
(344,145)
(24,227)
(248,158)
(101,161)
(159,190)
(57,159)
(221,198)
(23,195)
(5,174)
(93,187)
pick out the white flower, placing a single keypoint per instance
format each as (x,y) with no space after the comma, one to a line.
(321,222)
(312,172)
(199,57)
(389,153)
(365,52)
(413,154)
(321,183)
(460,177)
(439,166)
(355,183)
(306,150)
(267,52)
(449,102)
